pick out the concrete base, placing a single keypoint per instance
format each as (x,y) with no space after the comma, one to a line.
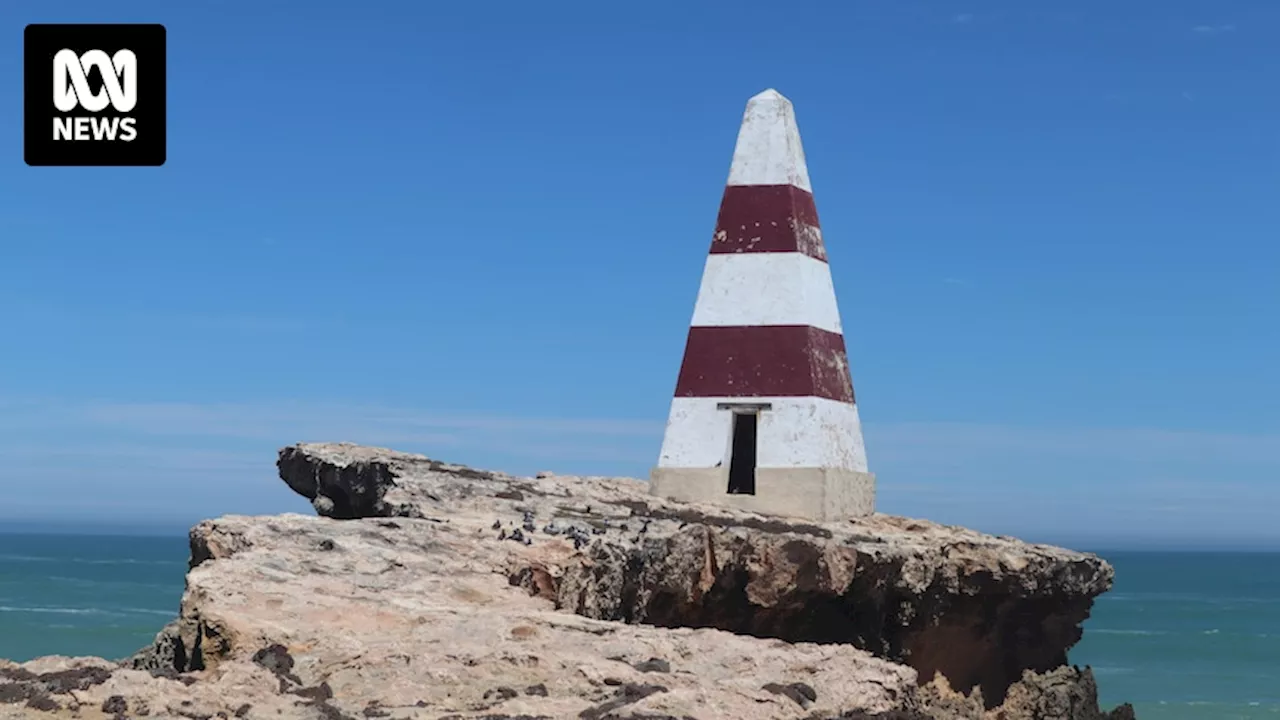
(822,494)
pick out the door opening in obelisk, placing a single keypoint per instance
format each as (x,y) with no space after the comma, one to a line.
(742,458)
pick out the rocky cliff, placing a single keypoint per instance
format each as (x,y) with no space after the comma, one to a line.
(427,590)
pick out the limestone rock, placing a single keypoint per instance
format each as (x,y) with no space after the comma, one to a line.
(438,591)
(979,609)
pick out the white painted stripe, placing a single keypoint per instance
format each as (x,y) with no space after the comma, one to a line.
(768,150)
(795,432)
(766,289)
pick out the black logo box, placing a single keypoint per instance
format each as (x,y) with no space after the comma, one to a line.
(148,43)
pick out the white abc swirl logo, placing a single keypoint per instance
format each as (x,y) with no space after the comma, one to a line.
(119,81)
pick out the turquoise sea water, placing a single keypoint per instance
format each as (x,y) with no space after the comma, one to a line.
(1182,636)
(1189,636)
(87,595)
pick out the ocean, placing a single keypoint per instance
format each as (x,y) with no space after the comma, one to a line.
(1188,636)
(1183,636)
(87,595)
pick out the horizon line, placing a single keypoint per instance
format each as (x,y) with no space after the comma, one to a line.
(1098,546)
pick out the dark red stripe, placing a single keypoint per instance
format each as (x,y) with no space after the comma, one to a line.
(765,361)
(768,218)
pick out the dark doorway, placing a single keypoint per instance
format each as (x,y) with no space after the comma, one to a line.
(742,458)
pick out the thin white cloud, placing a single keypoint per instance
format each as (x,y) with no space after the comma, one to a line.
(962,18)
(242,437)
(269,420)
(639,455)
(201,459)
(1099,443)
(69,319)
(286,421)
(26,457)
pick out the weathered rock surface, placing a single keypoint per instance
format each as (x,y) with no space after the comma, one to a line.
(437,591)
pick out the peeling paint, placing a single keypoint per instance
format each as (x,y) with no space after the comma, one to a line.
(764,360)
(768,219)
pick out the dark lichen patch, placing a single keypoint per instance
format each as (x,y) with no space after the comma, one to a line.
(17,674)
(528,489)
(653,665)
(802,694)
(115,704)
(509,495)
(501,694)
(64,681)
(13,693)
(539,690)
(277,659)
(374,710)
(856,539)
(411,512)
(461,471)
(691,516)
(325,711)
(648,716)
(627,694)
(243,710)
(805,690)
(498,717)
(19,685)
(319,693)
(317,697)
(598,525)
(44,703)
(887,715)
(600,631)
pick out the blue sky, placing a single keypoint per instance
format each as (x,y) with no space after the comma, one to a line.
(476,230)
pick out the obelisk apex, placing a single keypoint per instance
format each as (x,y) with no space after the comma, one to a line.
(769,150)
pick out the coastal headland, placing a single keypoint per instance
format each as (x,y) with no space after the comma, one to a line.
(427,590)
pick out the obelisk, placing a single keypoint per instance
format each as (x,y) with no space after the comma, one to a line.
(764,416)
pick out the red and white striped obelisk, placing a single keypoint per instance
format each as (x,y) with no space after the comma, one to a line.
(764,417)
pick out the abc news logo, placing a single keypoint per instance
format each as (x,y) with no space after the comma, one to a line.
(107,105)
(71,90)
